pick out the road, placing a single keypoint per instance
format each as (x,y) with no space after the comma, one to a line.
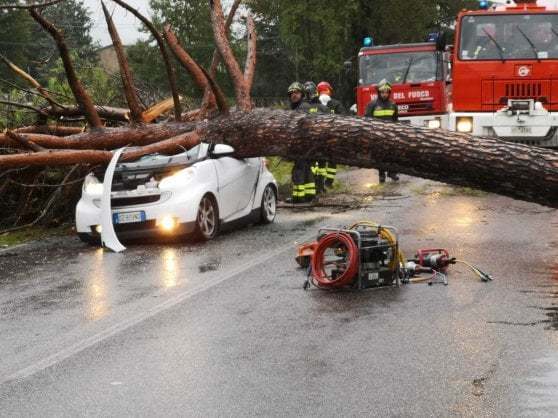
(225,328)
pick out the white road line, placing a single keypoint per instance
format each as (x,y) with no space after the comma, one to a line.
(137,319)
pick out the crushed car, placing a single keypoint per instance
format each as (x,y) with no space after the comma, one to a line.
(192,194)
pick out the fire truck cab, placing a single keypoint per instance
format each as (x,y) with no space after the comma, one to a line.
(418,75)
(505,72)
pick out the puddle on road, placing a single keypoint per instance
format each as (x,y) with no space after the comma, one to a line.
(540,393)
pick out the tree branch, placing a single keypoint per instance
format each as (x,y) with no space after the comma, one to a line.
(136,109)
(171,75)
(23,140)
(41,112)
(30,6)
(243,99)
(169,146)
(81,96)
(250,67)
(30,80)
(185,59)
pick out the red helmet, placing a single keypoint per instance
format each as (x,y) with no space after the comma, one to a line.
(325,88)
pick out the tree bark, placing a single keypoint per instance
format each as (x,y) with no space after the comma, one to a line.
(169,146)
(101,139)
(136,109)
(514,170)
(243,99)
(171,75)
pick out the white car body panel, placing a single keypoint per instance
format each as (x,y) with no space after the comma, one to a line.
(230,181)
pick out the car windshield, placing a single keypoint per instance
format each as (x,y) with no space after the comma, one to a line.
(502,37)
(407,67)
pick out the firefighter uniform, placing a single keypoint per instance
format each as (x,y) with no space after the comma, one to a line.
(304,185)
(325,171)
(386,110)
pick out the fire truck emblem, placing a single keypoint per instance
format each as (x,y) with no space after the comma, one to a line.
(523,71)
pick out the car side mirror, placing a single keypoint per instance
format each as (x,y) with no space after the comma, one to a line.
(222,150)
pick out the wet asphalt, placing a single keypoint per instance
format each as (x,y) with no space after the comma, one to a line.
(225,328)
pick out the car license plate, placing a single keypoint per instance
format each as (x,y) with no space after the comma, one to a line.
(521,130)
(128,217)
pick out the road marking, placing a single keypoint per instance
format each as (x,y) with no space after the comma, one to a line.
(137,319)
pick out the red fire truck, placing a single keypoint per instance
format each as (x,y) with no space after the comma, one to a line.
(418,74)
(505,72)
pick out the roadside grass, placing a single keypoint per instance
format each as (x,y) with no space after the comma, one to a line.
(33,233)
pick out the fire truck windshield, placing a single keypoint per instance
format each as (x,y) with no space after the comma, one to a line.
(398,68)
(509,37)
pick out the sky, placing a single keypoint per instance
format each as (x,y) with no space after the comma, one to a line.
(128,26)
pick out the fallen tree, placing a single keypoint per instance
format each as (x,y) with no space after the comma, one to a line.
(514,170)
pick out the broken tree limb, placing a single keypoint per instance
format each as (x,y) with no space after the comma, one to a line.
(104,139)
(23,140)
(82,98)
(136,108)
(186,60)
(170,146)
(31,81)
(39,111)
(157,110)
(171,75)
(243,99)
(250,67)
(50,130)
(216,59)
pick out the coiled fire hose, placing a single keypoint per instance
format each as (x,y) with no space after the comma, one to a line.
(332,240)
(351,266)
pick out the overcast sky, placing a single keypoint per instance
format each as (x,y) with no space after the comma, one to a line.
(128,26)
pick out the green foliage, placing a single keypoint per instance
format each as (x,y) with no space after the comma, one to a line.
(26,44)
(103,89)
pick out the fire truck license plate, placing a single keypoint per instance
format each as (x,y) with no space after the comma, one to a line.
(128,217)
(521,130)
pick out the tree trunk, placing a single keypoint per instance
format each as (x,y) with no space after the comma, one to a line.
(519,171)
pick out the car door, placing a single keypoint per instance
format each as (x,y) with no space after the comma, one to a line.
(236,180)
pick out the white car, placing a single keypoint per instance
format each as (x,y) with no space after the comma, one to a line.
(193,193)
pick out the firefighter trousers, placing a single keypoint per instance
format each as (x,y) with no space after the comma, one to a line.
(304,186)
(324,173)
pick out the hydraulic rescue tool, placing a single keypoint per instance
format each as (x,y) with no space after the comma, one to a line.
(367,255)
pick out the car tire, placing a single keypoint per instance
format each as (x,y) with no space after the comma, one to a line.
(207,219)
(268,207)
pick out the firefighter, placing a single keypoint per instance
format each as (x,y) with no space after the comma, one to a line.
(304,186)
(311,91)
(327,171)
(385,109)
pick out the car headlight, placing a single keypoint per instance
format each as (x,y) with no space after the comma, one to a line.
(464,125)
(92,186)
(177,179)
(434,124)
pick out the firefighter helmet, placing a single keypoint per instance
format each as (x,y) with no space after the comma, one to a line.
(384,85)
(296,86)
(310,89)
(325,88)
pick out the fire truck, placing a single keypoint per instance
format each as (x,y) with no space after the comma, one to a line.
(505,72)
(418,74)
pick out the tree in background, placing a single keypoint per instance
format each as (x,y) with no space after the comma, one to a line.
(24,43)
(318,36)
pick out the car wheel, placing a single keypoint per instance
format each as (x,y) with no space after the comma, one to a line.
(207,221)
(268,209)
